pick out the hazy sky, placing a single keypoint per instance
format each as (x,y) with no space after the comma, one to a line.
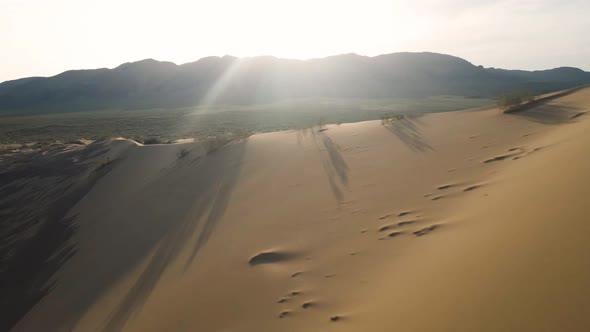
(44,38)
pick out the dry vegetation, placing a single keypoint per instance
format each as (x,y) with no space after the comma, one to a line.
(159,126)
(513,101)
(183,152)
(213,143)
(389,117)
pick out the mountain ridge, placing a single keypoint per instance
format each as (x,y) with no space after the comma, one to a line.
(150,83)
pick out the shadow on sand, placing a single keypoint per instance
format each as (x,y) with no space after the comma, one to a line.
(183,211)
(176,211)
(407,129)
(551,114)
(334,164)
(34,229)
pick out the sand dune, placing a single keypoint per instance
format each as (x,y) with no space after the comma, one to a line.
(459,221)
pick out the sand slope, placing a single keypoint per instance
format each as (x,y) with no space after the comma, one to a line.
(460,221)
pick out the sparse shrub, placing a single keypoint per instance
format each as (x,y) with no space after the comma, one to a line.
(514,100)
(41,145)
(152,140)
(240,133)
(319,126)
(389,117)
(213,143)
(79,141)
(182,153)
(103,138)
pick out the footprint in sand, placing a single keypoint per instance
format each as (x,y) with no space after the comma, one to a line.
(296,274)
(436,198)
(335,318)
(385,228)
(284,314)
(394,234)
(270,257)
(471,188)
(498,158)
(308,305)
(426,230)
(404,223)
(399,224)
(286,298)
(401,214)
(445,187)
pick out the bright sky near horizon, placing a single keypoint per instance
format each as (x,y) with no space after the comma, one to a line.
(44,38)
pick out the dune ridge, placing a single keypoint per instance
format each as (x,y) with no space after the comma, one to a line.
(458,221)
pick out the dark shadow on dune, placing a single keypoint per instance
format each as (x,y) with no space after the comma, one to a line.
(272,257)
(334,164)
(540,100)
(302,133)
(179,209)
(37,190)
(551,114)
(335,157)
(407,129)
(200,201)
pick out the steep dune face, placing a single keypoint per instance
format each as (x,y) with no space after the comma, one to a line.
(37,190)
(517,258)
(462,221)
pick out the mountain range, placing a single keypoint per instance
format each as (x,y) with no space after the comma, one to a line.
(230,80)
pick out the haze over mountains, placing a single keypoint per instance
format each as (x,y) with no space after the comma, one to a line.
(229,80)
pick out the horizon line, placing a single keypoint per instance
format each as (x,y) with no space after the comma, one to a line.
(282,58)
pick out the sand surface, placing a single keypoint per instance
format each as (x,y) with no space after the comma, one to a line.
(459,221)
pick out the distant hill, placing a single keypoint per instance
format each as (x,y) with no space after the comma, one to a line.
(154,84)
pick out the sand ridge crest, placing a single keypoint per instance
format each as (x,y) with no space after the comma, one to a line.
(183,243)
